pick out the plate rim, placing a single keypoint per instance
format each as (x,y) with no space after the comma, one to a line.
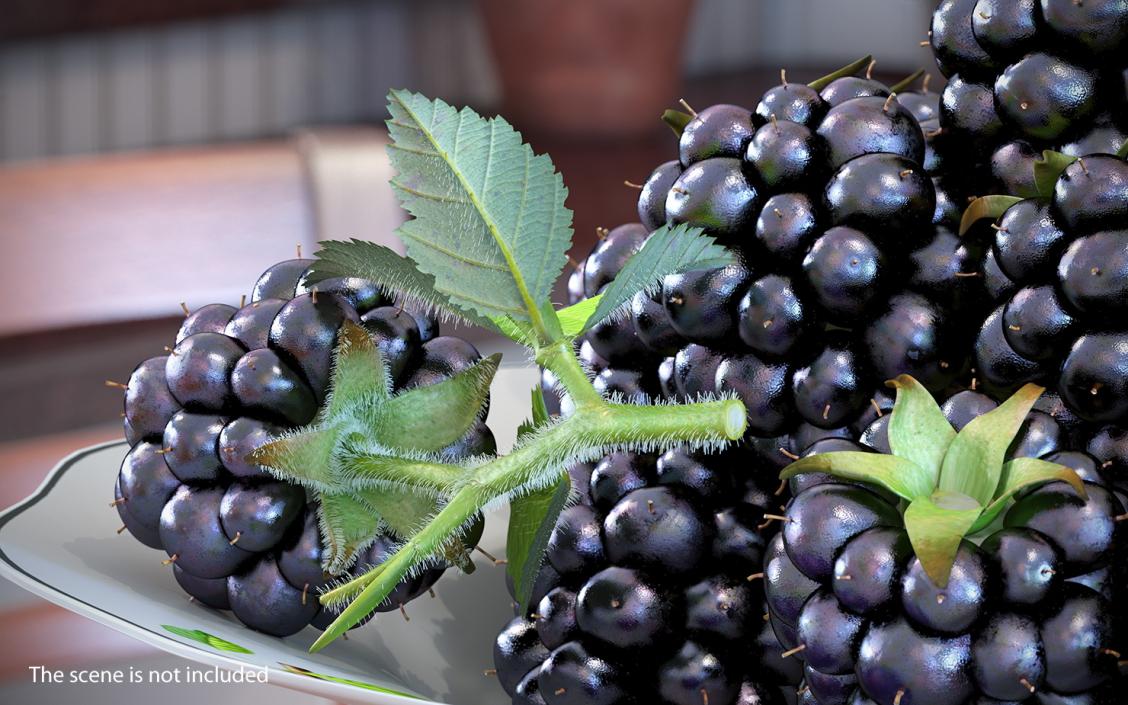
(12,571)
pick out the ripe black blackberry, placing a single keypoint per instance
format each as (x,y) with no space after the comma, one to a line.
(237,538)
(645,594)
(851,274)
(1025,76)
(1032,611)
(1058,319)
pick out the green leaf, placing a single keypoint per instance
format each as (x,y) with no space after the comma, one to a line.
(905,83)
(573,318)
(432,417)
(936,525)
(531,520)
(974,461)
(209,639)
(991,207)
(900,476)
(850,69)
(392,271)
(489,220)
(918,429)
(677,120)
(348,527)
(1048,169)
(1021,473)
(668,250)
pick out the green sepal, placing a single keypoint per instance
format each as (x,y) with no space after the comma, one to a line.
(359,373)
(532,518)
(1122,153)
(1048,169)
(432,417)
(403,511)
(991,207)
(304,457)
(974,462)
(849,69)
(936,525)
(904,84)
(348,527)
(677,120)
(366,470)
(918,429)
(900,476)
(1023,473)
(551,322)
(540,414)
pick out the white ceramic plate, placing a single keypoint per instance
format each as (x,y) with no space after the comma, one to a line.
(60,543)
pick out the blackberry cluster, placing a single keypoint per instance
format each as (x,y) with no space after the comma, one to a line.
(845,279)
(1029,75)
(237,538)
(1034,613)
(645,595)
(1063,269)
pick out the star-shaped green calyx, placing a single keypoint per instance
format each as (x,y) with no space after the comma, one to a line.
(371,457)
(954,484)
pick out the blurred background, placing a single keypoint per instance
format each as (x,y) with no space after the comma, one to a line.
(153,153)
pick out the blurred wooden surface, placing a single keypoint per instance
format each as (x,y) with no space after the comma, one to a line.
(129,237)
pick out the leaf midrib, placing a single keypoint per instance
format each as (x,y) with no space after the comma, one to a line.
(531,309)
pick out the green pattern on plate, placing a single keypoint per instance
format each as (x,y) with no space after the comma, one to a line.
(345,681)
(209,639)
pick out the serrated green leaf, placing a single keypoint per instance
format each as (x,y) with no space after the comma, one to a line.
(357,364)
(974,461)
(1021,473)
(519,332)
(392,271)
(991,207)
(432,417)
(209,639)
(348,527)
(900,476)
(849,69)
(1048,169)
(531,520)
(489,221)
(918,429)
(668,250)
(936,525)
(573,318)
(676,120)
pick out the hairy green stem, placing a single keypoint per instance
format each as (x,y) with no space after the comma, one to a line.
(596,427)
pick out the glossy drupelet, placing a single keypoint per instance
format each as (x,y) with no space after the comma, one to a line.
(645,594)
(236,538)
(1033,611)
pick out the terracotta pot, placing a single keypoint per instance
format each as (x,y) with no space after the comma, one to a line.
(592,67)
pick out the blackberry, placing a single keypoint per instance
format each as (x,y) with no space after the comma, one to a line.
(1058,323)
(1021,617)
(645,593)
(1029,75)
(237,538)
